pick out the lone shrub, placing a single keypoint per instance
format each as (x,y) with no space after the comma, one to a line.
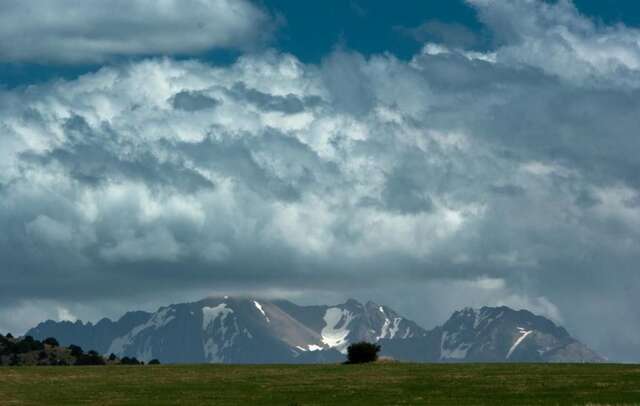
(359,353)
(154,361)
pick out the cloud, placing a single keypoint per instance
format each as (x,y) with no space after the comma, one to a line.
(93,31)
(451,34)
(192,101)
(557,39)
(66,315)
(462,177)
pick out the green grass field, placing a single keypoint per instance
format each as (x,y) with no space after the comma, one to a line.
(373,384)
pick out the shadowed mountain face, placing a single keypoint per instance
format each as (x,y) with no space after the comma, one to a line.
(493,334)
(230,330)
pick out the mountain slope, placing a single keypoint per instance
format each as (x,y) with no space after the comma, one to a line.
(494,334)
(244,330)
(233,330)
(352,321)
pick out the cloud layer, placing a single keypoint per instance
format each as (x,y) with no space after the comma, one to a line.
(92,31)
(497,177)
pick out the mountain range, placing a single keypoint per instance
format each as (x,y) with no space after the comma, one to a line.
(247,330)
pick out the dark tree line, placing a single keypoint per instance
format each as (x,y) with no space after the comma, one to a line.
(27,350)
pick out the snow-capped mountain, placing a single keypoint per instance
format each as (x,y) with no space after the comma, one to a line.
(231,330)
(494,334)
(340,325)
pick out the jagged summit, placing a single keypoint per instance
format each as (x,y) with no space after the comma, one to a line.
(252,330)
(495,334)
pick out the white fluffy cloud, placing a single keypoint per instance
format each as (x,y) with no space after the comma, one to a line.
(91,31)
(494,178)
(556,38)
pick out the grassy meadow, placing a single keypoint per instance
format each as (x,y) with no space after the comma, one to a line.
(371,384)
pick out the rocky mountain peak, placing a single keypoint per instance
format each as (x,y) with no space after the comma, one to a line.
(251,330)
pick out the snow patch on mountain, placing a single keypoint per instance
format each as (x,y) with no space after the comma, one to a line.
(146,354)
(523,334)
(261,310)
(158,320)
(215,328)
(310,347)
(389,328)
(211,314)
(335,332)
(450,349)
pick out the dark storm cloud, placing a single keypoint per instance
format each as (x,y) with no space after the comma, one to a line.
(508,190)
(289,104)
(273,165)
(193,101)
(94,156)
(585,198)
(502,177)
(347,84)
(402,192)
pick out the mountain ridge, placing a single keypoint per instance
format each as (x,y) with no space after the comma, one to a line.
(254,330)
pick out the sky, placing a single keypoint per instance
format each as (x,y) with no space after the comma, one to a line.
(425,155)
